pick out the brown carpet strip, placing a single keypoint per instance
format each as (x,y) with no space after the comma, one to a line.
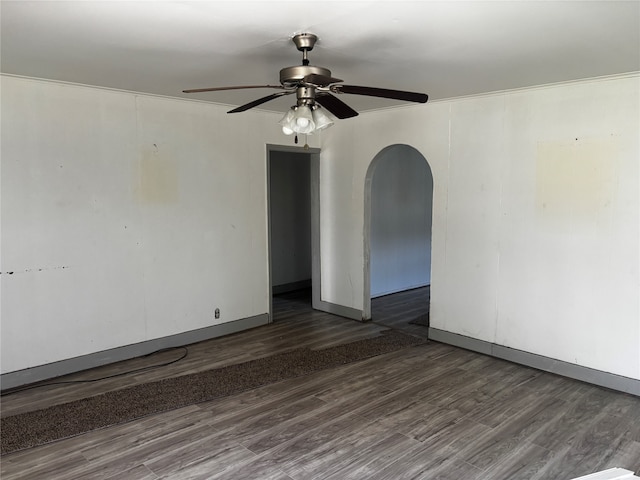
(30,429)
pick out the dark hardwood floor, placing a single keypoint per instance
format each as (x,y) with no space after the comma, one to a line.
(426,412)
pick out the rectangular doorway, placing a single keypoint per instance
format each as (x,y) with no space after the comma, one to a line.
(293,207)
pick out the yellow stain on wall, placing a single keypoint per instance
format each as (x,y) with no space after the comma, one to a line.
(575,180)
(157,178)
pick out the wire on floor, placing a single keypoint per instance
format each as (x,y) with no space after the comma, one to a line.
(12,391)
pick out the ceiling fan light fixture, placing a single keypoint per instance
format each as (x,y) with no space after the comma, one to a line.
(305,120)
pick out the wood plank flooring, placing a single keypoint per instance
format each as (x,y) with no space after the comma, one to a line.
(427,412)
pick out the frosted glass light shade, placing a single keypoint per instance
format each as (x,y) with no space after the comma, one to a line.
(287,122)
(304,120)
(321,119)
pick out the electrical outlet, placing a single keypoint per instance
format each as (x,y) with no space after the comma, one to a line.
(217,313)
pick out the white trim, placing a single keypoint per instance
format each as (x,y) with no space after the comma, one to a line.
(614,76)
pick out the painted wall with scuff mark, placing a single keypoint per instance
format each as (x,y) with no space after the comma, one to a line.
(126,218)
(535,242)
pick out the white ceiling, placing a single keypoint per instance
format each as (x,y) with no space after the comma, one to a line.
(442,48)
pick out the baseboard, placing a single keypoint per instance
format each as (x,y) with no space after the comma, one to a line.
(291,287)
(340,310)
(566,369)
(105,357)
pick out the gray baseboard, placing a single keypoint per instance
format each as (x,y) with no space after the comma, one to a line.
(105,357)
(340,310)
(559,367)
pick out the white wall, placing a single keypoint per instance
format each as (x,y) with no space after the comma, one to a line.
(126,218)
(535,220)
(400,209)
(290,205)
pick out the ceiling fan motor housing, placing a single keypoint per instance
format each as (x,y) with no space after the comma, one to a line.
(292,76)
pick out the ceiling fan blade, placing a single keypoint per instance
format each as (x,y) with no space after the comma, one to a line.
(335,106)
(235,87)
(381,92)
(320,80)
(257,102)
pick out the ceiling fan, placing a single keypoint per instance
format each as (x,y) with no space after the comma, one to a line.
(314,87)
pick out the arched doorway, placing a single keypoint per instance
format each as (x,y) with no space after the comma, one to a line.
(398,218)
